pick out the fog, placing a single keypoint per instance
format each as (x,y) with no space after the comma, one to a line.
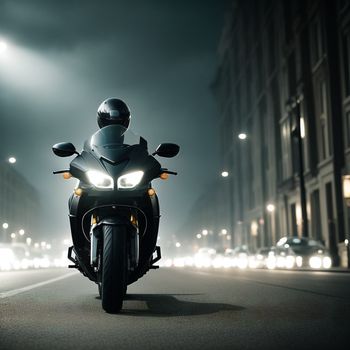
(64,58)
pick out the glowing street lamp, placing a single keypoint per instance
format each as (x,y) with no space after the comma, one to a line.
(242,136)
(12,160)
(21,232)
(224,173)
(270,208)
(5,226)
(29,241)
(199,236)
(205,232)
(178,244)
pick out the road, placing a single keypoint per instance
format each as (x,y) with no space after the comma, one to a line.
(177,309)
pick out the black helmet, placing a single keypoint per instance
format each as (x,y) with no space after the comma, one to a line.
(113,111)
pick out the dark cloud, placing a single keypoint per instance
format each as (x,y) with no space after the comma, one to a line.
(159,56)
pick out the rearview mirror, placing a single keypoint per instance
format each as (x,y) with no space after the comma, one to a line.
(167,150)
(64,149)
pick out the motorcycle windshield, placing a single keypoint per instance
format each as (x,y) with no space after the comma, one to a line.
(112,137)
(111,142)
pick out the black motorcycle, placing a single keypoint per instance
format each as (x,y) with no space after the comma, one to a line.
(114,211)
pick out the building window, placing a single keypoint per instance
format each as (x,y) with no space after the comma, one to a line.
(271,40)
(325,145)
(292,82)
(346,61)
(347,121)
(293,220)
(260,70)
(316,215)
(316,40)
(249,88)
(286,149)
(304,134)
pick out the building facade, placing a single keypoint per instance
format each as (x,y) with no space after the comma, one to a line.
(284,80)
(19,205)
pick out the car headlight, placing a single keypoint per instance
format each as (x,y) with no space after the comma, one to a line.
(315,262)
(130,180)
(327,262)
(100,180)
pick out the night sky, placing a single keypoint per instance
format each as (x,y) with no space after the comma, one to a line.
(65,57)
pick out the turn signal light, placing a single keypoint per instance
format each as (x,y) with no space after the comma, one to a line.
(164,176)
(67,175)
(151,192)
(78,191)
(133,220)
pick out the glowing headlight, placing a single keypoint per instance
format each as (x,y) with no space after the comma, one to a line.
(315,262)
(327,262)
(100,180)
(130,180)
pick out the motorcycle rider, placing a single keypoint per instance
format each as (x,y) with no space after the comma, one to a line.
(112,111)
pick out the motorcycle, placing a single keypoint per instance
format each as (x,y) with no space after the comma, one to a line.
(114,210)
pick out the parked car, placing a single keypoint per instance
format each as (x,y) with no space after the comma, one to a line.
(204,257)
(309,252)
(260,257)
(281,257)
(241,257)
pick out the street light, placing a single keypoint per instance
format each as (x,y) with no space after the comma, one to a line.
(242,136)
(12,160)
(270,207)
(224,173)
(5,226)
(21,232)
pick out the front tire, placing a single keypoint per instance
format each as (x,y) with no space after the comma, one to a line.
(114,268)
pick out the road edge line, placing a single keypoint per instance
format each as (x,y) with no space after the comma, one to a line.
(14,292)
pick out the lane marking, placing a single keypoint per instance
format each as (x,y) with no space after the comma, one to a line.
(13,292)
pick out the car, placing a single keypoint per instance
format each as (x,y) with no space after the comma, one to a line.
(14,256)
(310,253)
(241,257)
(260,257)
(204,257)
(281,257)
(7,258)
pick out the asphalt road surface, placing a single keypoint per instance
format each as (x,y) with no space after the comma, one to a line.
(178,309)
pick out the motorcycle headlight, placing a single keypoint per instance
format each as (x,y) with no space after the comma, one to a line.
(100,180)
(130,180)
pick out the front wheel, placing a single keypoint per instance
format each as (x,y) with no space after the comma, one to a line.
(114,268)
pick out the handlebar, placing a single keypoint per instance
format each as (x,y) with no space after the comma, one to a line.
(60,172)
(165,170)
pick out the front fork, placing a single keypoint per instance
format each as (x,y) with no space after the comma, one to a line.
(96,242)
